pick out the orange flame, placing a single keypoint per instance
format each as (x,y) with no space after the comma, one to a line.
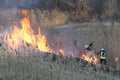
(26,35)
(24,12)
(91,59)
(61,51)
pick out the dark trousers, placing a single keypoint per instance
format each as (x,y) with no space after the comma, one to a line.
(103,61)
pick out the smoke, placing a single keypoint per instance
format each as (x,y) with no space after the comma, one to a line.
(19,3)
(27,4)
(9,11)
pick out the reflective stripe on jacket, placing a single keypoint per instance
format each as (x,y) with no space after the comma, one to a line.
(102,55)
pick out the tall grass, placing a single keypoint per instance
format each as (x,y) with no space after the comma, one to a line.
(17,65)
(44,68)
(48,18)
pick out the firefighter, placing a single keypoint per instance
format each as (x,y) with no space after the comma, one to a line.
(102,56)
(89,51)
(87,47)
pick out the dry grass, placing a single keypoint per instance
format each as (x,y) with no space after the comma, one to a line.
(16,65)
(48,18)
(106,35)
(44,68)
(37,17)
(44,18)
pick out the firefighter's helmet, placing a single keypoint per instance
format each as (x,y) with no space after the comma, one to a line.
(102,49)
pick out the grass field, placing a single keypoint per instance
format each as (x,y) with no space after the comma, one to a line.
(44,66)
(19,65)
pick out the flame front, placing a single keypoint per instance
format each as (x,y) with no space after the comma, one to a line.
(61,51)
(26,35)
(91,59)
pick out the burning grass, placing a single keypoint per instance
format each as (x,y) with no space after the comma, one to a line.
(44,67)
(19,58)
(18,37)
(25,36)
(28,63)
